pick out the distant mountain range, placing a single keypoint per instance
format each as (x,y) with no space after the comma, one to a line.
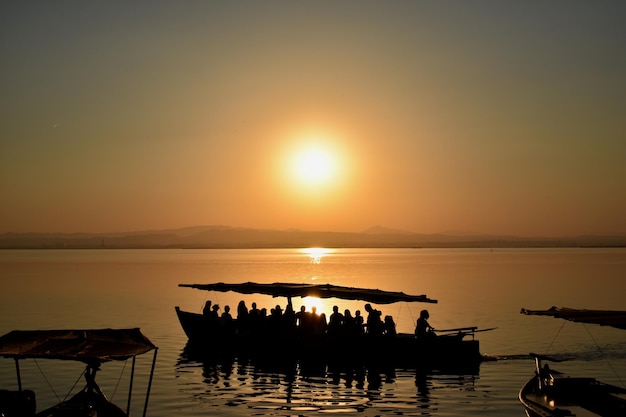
(215,237)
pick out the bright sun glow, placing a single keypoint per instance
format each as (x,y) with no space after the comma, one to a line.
(310,302)
(314,164)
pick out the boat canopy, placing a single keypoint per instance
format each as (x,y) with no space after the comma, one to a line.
(611,318)
(89,346)
(279,289)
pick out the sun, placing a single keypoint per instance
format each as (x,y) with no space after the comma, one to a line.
(313,169)
(314,165)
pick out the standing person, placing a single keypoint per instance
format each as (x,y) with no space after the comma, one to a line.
(321,325)
(301,317)
(374,322)
(335,322)
(289,320)
(254,320)
(242,318)
(227,321)
(423,329)
(348,324)
(358,323)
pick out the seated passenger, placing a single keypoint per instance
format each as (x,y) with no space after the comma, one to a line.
(390,326)
(423,329)
(206,311)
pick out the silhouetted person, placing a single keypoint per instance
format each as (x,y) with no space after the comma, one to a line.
(227,321)
(242,310)
(358,323)
(321,325)
(254,319)
(335,322)
(214,315)
(390,326)
(348,325)
(289,319)
(423,329)
(242,317)
(311,321)
(206,311)
(301,320)
(374,322)
(275,320)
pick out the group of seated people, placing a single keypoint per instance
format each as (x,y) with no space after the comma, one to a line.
(306,323)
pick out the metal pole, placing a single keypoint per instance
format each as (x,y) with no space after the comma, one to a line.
(130,388)
(19,376)
(145,407)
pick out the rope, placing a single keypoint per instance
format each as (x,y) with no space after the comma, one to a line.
(118,380)
(604,356)
(73,386)
(46,379)
(413,318)
(555,336)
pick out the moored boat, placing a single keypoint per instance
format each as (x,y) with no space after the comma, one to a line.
(450,347)
(550,393)
(93,347)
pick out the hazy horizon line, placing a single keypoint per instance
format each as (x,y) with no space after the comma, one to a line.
(376,229)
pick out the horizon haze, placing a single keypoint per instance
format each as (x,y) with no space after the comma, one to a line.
(226,237)
(499,118)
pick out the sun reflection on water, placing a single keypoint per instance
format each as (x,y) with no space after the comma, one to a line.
(316,254)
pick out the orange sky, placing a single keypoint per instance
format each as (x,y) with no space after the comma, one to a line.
(493,117)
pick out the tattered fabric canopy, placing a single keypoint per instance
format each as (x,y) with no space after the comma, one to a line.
(88,346)
(611,318)
(279,289)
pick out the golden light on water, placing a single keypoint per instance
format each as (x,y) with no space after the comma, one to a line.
(316,254)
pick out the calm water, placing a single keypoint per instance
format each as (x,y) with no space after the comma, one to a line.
(138,288)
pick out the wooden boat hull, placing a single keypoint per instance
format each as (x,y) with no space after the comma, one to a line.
(572,396)
(84,404)
(402,350)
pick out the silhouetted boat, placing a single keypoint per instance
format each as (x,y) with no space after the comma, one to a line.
(92,347)
(450,347)
(550,393)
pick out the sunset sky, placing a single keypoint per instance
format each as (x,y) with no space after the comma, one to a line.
(504,117)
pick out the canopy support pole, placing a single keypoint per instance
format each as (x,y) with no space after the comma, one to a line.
(19,375)
(130,388)
(538,370)
(145,407)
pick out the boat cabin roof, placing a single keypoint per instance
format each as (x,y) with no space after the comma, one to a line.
(89,346)
(280,289)
(611,318)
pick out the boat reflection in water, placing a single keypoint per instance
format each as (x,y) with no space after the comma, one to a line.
(302,386)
